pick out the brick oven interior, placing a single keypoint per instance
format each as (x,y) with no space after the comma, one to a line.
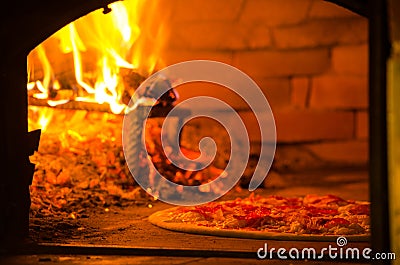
(309,57)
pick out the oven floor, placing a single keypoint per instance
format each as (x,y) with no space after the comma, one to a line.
(128,229)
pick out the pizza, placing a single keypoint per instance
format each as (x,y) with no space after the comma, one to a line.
(310,217)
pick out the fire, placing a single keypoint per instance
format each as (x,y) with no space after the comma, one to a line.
(83,60)
(88,61)
(39,118)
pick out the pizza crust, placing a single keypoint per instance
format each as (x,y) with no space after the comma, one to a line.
(162,219)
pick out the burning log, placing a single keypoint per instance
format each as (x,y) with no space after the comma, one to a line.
(73,105)
(156,111)
(75,97)
(131,81)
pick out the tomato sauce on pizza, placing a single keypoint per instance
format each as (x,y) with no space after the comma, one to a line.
(307,215)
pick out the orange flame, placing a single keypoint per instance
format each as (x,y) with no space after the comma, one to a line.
(39,118)
(96,47)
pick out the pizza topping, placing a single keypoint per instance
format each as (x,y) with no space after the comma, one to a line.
(312,214)
(314,211)
(360,209)
(336,222)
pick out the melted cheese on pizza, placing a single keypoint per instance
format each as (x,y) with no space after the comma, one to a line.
(311,214)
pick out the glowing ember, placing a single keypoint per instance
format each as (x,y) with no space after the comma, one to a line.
(80,163)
